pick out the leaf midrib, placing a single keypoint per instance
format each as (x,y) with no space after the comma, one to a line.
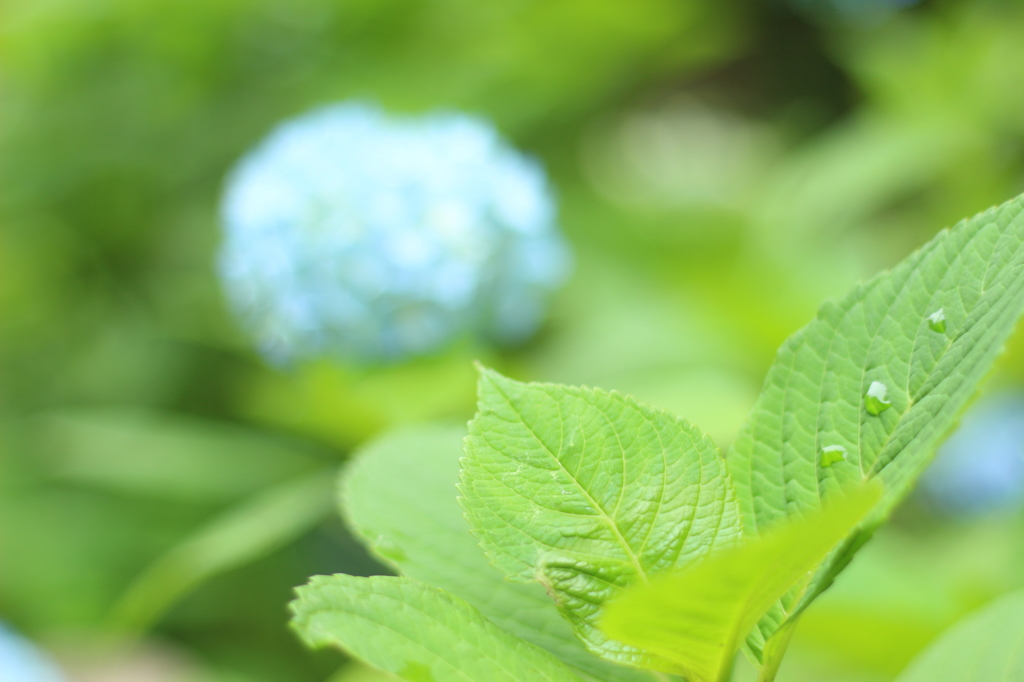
(874,469)
(995,311)
(601,512)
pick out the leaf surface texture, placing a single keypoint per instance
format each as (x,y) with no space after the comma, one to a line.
(417,632)
(399,494)
(816,393)
(697,617)
(589,492)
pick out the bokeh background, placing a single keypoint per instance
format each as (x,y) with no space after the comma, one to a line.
(720,167)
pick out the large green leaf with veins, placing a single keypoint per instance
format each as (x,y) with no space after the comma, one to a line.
(697,617)
(418,632)
(987,645)
(589,492)
(399,494)
(868,389)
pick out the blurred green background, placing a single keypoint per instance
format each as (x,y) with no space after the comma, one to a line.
(721,166)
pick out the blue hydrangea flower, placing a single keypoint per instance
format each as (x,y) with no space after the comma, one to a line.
(981,467)
(21,662)
(355,234)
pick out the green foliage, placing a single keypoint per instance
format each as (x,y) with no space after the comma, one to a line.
(589,492)
(246,532)
(417,632)
(985,646)
(405,508)
(356,672)
(748,186)
(152,454)
(630,518)
(697,617)
(834,381)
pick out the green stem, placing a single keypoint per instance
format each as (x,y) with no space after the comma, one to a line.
(726,674)
(775,650)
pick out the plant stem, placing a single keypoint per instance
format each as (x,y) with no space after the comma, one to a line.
(726,674)
(774,650)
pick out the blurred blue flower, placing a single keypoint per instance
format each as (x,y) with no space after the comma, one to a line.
(981,467)
(355,234)
(21,662)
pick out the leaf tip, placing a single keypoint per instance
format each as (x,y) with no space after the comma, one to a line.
(487,375)
(491,381)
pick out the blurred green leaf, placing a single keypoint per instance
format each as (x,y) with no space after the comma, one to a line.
(243,534)
(849,173)
(356,672)
(985,646)
(164,455)
(961,61)
(344,405)
(698,617)
(906,586)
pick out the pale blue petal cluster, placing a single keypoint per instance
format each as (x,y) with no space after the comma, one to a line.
(981,467)
(21,662)
(355,234)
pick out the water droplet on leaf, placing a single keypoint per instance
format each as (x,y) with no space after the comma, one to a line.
(830,454)
(874,400)
(937,321)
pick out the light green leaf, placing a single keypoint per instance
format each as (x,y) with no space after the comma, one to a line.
(167,455)
(357,672)
(816,393)
(590,492)
(697,617)
(417,632)
(399,494)
(987,645)
(244,533)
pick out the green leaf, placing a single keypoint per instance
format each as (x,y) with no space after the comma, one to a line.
(357,672)
(987,645)
(167,455)
(417,632)
(816,394)
(399,494)
(697,617)
(590,492)
(244,533)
